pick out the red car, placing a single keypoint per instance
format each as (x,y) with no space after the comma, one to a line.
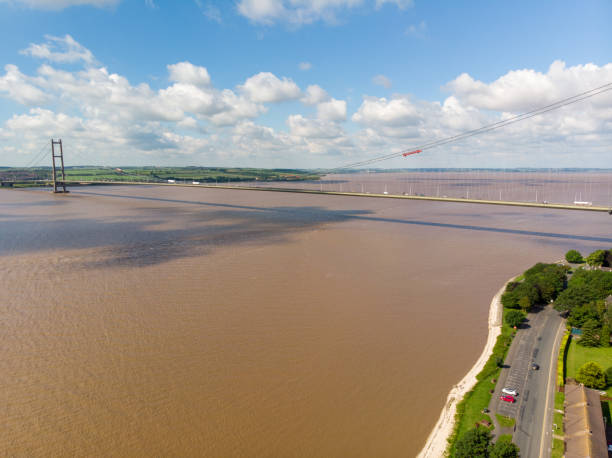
(507,398)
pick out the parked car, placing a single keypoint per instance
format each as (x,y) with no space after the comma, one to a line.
(507,398)
(535,367)
(509,391)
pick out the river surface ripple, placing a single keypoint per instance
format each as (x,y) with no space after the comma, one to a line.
(147,321)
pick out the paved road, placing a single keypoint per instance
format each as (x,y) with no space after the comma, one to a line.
(538,343)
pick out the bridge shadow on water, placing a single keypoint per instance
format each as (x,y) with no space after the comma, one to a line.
(144,238)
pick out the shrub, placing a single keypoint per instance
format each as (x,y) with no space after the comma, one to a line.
(574,257)
(561,359)
(592,375)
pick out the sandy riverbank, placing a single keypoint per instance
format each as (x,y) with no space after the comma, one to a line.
(437,441)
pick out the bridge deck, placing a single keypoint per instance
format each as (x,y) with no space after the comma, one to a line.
(351,194)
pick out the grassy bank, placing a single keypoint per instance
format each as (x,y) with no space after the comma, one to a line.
(577,355)
(469,410)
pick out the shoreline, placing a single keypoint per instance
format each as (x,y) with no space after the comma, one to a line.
(437,443)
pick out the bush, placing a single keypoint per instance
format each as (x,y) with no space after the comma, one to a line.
(561,359)
(574,257)
(592,375)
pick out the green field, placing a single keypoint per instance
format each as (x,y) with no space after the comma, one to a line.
(578,355)
(161,174)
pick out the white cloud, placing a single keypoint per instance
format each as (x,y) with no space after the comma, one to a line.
(304,66)
(186,72)
(61,4)
(15,85)
(44,122)
(182,98)
(397,111)
(105,115)
(151,4)
(300,126)
(334,110)
(237,108)
(523,90)
(382,80)
(266,87)
(314,95)
(264,11)
(299,12)
(60,49)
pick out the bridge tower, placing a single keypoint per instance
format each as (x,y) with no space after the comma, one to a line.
(59,176)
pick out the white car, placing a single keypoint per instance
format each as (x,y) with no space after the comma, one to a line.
(510,391)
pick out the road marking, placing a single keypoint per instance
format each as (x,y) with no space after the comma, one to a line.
(553,356)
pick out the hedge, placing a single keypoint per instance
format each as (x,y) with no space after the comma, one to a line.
(561,358)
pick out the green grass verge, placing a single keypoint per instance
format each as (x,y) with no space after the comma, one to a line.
(505,422)
(558,449)
(558,420)
(469,410)
(559,399)
(578,355)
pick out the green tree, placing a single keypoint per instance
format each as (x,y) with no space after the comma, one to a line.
(609,376)
(592,375)
(474,444)
(582,314)
(596,258)
(514,318)
(590,334)
(575,295)
(504,449)
(524,303)
(574,257)
(536,269)
(510,300)
(608,259)
(604,335)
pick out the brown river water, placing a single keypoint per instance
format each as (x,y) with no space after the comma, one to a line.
(156,321)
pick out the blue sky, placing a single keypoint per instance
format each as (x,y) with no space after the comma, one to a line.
(387,75)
